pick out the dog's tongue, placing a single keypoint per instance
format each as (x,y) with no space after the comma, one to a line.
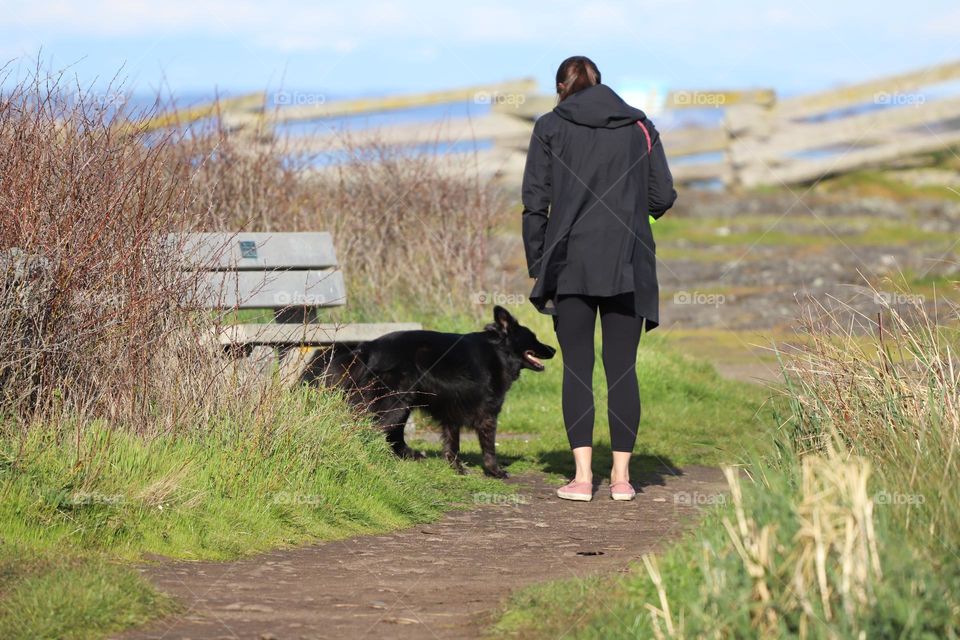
(532,358)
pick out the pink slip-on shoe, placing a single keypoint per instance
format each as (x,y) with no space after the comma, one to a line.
(582,491)
(622,490)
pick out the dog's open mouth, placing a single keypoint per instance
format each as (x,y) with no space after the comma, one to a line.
(533,361)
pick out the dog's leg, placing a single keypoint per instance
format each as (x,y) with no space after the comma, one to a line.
(487,432)
(451,447)
(394,422)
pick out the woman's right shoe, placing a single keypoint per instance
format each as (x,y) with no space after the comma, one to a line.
(622,490)
(582,491)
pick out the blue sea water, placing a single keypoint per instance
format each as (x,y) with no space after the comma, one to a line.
(666,120)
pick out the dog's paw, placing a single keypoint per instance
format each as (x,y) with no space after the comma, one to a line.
(411,454)
(497,472)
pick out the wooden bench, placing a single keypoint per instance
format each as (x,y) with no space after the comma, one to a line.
(292,274)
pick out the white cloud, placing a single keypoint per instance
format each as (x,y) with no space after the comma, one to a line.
(947,23)
(127,17)
(286,26)
(295,25)
(648,27)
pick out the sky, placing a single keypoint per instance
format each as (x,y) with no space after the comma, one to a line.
(363,47)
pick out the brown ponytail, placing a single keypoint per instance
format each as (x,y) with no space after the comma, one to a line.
(576,73)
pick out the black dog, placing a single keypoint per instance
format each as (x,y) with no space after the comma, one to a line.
(460,380)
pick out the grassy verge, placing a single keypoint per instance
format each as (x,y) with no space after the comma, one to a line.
(67,594)
(72,518)
(708,587)
(77,517)
(847,529)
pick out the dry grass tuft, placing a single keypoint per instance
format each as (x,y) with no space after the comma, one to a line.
(894,399)
(836,536)
(830,566)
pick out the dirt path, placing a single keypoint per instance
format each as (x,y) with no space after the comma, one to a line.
(441,580)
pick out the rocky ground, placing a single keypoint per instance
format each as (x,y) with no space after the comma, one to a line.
(764,254)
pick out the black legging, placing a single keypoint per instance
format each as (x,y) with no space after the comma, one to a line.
(575,323)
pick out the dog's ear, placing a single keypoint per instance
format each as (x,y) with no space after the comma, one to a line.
(502,318)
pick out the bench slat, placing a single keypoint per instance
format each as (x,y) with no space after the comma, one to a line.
(308,334)
(272,289)
(258,251)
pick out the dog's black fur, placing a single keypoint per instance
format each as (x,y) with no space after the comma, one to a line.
(459,379)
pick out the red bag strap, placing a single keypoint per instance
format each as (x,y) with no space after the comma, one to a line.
(646,134)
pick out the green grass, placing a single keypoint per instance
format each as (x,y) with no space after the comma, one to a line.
(75,518)
(460,321)
(887,184)
(797,231)
(52,596)
(712,595)
(923,283)
(895,425)
(690,415)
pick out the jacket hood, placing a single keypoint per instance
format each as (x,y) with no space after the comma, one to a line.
(598,106)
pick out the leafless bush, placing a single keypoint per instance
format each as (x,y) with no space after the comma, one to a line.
(93,315)
(413,228)
(93,320)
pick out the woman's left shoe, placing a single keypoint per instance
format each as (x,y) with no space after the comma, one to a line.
(622,490)
(581,491)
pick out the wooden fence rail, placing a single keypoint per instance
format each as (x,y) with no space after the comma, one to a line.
(762,140)
(872,123)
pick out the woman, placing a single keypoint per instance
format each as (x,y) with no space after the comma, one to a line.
(595,175)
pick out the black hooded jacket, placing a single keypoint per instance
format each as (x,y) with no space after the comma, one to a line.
(595,170)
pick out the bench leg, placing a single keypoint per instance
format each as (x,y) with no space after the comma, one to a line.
(410,428)
(293,363)
(262,359)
